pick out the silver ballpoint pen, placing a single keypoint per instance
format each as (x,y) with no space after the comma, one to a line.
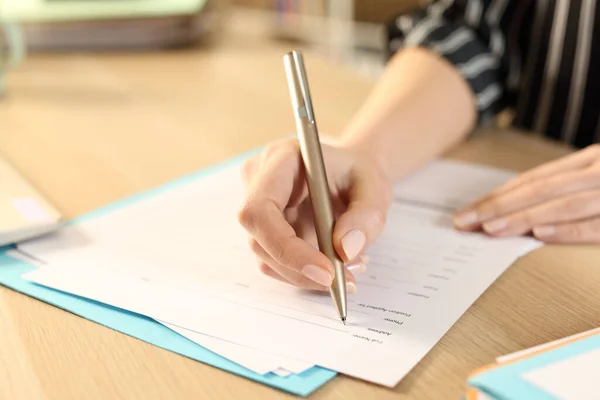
(316,176)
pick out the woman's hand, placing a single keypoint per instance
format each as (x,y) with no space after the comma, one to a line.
(558,202)
(278,217)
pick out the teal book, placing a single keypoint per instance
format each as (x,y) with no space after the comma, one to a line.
(566,369)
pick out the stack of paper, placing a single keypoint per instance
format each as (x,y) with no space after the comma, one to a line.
(566,369)
(179,256)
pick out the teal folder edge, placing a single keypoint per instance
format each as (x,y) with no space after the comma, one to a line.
(144,328)
(506,383)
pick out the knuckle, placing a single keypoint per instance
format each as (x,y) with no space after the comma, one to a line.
(375,218)
(264,268)
(254,245)
(284,254)
(247,215)
(283,145)
(573,231)
(269,150)
(541,189)
(289,145)
(492,207)
(529,219)
(572,205)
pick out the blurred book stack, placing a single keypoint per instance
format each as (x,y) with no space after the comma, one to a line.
(57,25)
(332,29)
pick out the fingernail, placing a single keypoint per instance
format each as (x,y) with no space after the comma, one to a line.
(357,268)
(544,231)
(350,287)
(495,225)
(318,274)
(466,219)
(352,243)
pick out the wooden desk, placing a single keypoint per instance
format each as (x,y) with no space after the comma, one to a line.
(88,130)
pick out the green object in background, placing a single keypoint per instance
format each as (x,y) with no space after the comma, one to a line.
(12,49)
(77,10)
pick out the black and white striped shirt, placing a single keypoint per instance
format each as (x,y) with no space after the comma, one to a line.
(539,58)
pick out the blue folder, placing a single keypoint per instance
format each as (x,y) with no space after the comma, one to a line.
(145,328)
(506,382)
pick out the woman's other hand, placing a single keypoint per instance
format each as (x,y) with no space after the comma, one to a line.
(557,202)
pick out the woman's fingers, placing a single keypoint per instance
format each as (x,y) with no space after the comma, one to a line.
(580,232)
(290,277)
(280,272)
(270,272)
(271,268)
(277,217)
(489,212)
(262,215)
(369,199)
(562,176)
(575,161)
(299,281)
(572,207)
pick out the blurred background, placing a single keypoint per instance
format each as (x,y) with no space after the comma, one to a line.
(124,94)
(349,32)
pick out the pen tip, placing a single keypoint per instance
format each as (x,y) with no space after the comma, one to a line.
(344,320)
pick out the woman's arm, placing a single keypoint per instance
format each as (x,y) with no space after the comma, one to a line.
(447,76)
(432,94)
(420,107)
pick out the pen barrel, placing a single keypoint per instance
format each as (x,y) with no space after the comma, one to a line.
(322,207)
(316,177)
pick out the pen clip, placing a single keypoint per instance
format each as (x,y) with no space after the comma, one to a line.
(303,83)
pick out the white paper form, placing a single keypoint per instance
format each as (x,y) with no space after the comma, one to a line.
(449,185)
(252,359)
(257,361)
(423,275)
(404,318)
(282,372)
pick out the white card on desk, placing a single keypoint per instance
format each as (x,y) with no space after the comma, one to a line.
(185,248)
(574,378)
(24,212)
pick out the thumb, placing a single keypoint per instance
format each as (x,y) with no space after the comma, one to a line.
(368,204)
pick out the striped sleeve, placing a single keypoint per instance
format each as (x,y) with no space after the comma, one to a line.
(466,33)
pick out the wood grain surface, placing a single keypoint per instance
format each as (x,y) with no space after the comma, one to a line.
(88,129)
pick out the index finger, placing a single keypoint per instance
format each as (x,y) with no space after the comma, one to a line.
(262,216)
